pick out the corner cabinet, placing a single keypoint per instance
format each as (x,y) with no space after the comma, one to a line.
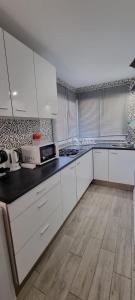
(21,77)
(5,101)
(45,75)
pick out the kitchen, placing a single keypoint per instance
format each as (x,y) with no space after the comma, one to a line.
(67,150)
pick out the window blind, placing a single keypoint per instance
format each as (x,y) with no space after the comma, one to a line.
(103,112)
(113,112)
(72,116)
(65,125)
(89,114)
(61,125)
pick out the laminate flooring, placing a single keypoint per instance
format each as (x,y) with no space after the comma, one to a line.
(92,256)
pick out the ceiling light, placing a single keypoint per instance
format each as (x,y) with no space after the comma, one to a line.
(14,93)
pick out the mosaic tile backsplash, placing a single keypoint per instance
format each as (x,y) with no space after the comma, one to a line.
(15,133)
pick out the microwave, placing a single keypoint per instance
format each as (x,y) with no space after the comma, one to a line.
(37,154)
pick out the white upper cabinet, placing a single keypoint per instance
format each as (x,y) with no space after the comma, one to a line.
(21,77)
(5,101)
(45,75)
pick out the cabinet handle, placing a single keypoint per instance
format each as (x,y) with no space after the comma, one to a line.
(4,108)
(72,168)
(44,229)
(22,110)
(41,191)
(114,153)
(97,152)
(54,114)
(42,204)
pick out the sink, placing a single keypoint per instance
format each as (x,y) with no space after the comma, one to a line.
(122,145)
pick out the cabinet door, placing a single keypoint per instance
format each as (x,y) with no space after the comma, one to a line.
(45,75)
(83,174)
(134,210)
(21,76)
(121,166)
(100,157)
(91,166)
(68,186)
(7,291)
(5,101)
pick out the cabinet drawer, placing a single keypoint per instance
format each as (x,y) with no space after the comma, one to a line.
(22,203)
(26,224)
(27,256)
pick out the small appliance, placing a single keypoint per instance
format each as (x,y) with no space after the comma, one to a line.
(14,160)
(3,163)
(39,154)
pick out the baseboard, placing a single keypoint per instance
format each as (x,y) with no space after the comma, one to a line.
(121,186)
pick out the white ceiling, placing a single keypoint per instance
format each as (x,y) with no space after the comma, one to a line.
(89,41)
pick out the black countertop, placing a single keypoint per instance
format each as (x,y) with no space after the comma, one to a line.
(17,183)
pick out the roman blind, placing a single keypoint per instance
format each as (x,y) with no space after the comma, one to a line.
(103,112)
(66,122)
(113,112)
(72,115)
(61,127)
(89,114)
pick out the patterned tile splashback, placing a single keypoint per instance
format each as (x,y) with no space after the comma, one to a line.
(18,132)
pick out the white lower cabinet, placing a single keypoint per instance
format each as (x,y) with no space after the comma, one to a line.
(34,220)
(24,226)
(37,216)
(7,291)
(100,157)
(134,211)
(68,189)
(91,165)
(29,254)
(122,166)
(83,173)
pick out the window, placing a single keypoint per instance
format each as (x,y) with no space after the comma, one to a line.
(103,112)
(89,115)
(66,122)
(113,112)
(61,122)
(72,115)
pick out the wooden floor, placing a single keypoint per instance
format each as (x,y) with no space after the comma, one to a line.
(92,257)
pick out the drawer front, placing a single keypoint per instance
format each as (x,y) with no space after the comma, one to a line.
(22,203)
(25,225)
(27,257)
